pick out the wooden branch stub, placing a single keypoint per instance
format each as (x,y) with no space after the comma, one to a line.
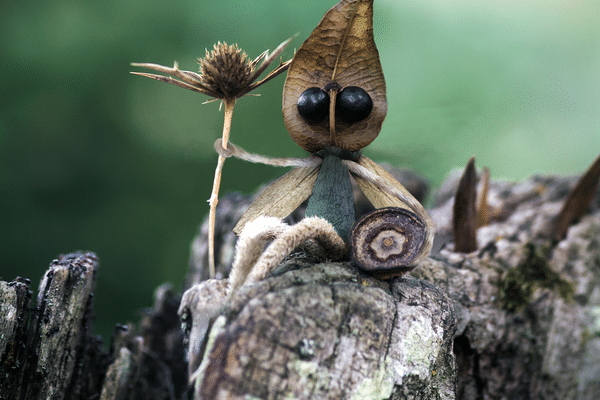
(465,211)
(330,332)
(62,359)
(388,242)
(15,300)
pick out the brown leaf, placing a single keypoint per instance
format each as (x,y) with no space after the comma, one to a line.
(465,215)
(578,201)
(382,198)
(281,197)
(339,53)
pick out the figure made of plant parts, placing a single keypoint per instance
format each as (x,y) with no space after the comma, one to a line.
(334,103)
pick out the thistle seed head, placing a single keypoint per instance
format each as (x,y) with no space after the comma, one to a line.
(227,70)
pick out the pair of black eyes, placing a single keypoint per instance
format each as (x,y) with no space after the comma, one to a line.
(352,104)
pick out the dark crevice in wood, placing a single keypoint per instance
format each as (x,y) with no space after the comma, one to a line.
(470,383)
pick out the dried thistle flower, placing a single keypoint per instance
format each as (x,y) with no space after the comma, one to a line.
(226,73)
(227,70)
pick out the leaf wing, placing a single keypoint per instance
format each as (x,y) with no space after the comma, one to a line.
(282,196)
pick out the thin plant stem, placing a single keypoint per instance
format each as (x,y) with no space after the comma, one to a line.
(214,196)
(229,104)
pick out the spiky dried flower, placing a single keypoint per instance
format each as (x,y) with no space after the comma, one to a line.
(226,72)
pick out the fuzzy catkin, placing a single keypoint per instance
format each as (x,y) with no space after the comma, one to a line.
(250,246)
(309,228)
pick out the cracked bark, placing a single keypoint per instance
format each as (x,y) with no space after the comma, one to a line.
(526,320)
(326,331)
(54,354)
(47,350)
(527,307)
(527,314)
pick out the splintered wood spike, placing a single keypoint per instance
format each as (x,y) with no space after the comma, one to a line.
(465,213)
(578,202)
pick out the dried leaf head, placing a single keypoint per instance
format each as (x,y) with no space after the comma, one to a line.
(339,53)
(226,72)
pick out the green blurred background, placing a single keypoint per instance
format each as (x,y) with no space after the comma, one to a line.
(94,158)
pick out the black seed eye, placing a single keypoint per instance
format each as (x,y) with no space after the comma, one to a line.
(353,104)
(313,105)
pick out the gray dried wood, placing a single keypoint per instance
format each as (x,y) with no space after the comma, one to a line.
(148,362)
(14,314)
(527,309)
(48,351)
(53,355)
(527,320)
(326,331)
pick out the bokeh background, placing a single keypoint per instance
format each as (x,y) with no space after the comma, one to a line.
(93,158)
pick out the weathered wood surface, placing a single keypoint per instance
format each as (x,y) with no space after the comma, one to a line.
(14,314)
(47,350)
(527,308)
(326,331)
(52,354)
(527,313)
(149,362)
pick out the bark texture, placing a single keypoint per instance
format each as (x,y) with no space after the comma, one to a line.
(527,308)
(517,318)
(50,352)
(47,350)
(326,331)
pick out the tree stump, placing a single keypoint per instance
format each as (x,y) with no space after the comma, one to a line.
(48,352)
(518,318)
(527,311)
(326,331)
